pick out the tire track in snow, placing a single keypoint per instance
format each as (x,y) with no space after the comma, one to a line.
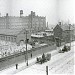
(59,61)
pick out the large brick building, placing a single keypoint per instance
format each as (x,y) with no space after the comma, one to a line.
(36,23)
(13,28)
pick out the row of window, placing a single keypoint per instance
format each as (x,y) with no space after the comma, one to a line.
(8,38)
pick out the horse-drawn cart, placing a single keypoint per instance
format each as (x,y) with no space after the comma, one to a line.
(64,49)
(44,58)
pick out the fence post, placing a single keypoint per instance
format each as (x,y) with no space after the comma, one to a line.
(46,70)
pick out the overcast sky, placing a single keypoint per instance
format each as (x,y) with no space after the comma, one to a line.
(54,10)
(66,10)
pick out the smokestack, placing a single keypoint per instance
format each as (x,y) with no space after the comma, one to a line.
(6,14)
(47,25)
(60,24)
(32,13)
(0,14)
(21,13)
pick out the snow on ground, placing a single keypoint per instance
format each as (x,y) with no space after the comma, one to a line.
(22,66)
(59,64)
(9,48)
(54,63)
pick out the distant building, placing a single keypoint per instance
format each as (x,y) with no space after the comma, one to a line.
(50,31)
(32,22)
(68,35)
(58,31)
(43,37)
(14,35)
(63,32)
(13,28)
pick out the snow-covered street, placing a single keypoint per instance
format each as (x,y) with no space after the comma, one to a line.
(61,63)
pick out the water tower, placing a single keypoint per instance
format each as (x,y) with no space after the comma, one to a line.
(21,13)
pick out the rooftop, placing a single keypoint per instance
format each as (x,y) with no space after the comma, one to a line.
(10,31)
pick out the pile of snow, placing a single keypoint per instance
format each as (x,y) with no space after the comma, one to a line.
(9,48)
(23,47)
(43,44)
(37,44)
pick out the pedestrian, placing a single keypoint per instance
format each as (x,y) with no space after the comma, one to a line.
(43,57)
(16,66)
(31,55)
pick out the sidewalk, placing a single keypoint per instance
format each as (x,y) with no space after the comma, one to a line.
(21,66)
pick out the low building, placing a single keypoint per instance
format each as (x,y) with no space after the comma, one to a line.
(43,37)
(58,31)
(68,35)
(50,31)
(14,35)
(63,33)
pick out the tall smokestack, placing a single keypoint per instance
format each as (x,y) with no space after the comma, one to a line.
(6,14)
(21,13)
(47,25)
(60,24)
(0,14)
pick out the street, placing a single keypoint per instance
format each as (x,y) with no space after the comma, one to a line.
(22,57)
(59,63)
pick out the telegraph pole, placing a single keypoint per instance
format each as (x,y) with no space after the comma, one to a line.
(46,70)
(26,50)
(70,34)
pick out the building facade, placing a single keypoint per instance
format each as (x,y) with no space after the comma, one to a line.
(15,35)
(58,32)
(32,22)
(43,37)
(68,35)
(63,33)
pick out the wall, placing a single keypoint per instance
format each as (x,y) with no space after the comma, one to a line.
(22,36)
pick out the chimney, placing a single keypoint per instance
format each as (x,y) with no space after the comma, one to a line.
(60,24)
(31,12)
(21,13)
(0,14)
(6,14)
(47,24)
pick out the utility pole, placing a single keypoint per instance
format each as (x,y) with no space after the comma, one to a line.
(46,70)
(70,35)
(26,50)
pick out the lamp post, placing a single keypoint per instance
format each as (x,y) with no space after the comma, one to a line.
(70,34)
(26,50)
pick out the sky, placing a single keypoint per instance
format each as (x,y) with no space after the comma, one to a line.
(54,10)
(66,10)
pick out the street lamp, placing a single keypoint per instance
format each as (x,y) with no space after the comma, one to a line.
(26,49)
(70,35)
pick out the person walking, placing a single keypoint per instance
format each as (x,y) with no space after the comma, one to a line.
(16,66)
(31,55)
(43,57)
